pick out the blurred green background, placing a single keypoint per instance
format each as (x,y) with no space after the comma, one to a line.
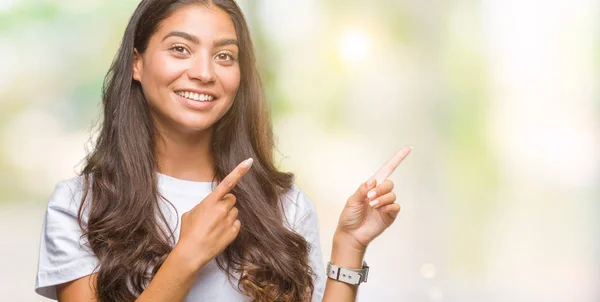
(500,98)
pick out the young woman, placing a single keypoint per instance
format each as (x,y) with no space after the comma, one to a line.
(164,210)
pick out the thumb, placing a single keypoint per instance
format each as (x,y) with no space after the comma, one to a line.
(359,196)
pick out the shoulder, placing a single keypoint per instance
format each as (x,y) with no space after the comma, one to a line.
(70,187)
(64,254)
(297,206)
(67,196)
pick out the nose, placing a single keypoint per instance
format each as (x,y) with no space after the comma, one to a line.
(202,69)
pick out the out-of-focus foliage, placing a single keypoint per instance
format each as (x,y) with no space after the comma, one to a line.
(499,97)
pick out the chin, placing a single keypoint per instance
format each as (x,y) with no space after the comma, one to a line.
(183,120)
(195,125)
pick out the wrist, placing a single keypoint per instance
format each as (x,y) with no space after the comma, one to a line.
(347,242)
(346,251)
(187,260)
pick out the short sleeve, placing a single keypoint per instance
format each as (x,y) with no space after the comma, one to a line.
(64,255)
(307,225)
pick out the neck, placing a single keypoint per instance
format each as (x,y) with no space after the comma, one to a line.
(185,156)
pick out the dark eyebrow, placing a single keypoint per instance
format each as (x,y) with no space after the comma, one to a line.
(224,42)
(195,39)
(181,34)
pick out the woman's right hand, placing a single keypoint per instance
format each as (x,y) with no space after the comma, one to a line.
(210,226)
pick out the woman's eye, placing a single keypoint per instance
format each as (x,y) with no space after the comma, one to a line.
(225,57)
(180,49)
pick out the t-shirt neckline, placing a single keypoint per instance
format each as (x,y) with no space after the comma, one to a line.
(183,186)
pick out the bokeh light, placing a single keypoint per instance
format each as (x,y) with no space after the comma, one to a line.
(355,46)
(501,99)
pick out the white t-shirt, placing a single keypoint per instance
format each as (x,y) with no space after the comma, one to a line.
(64,256)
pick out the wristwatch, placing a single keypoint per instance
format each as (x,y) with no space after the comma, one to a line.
(350,276)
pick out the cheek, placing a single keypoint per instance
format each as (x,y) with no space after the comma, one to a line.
(231,81)
(161,71)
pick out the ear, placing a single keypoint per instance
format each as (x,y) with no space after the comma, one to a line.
(137,66)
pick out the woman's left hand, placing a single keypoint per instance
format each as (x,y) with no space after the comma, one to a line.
(372,208)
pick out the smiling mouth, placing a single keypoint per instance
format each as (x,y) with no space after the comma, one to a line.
(199,97)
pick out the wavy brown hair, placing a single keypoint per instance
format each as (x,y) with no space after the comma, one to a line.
(125,227)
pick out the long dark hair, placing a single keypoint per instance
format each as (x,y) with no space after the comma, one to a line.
(124,223)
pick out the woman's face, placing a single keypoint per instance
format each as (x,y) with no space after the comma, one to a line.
(189,71)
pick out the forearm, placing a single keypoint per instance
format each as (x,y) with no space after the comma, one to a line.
(173,280)
(346,255)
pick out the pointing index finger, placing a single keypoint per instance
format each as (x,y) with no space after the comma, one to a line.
(232,179)
(391,165)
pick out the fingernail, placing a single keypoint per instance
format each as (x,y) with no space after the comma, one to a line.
(374,202)
(371,194)
(247,163)
(411,147)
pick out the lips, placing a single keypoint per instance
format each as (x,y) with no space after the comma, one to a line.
(196,101)
(195,96)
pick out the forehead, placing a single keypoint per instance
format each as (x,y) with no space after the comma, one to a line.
(205,22)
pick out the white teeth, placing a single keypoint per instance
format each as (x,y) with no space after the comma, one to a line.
(195,96)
